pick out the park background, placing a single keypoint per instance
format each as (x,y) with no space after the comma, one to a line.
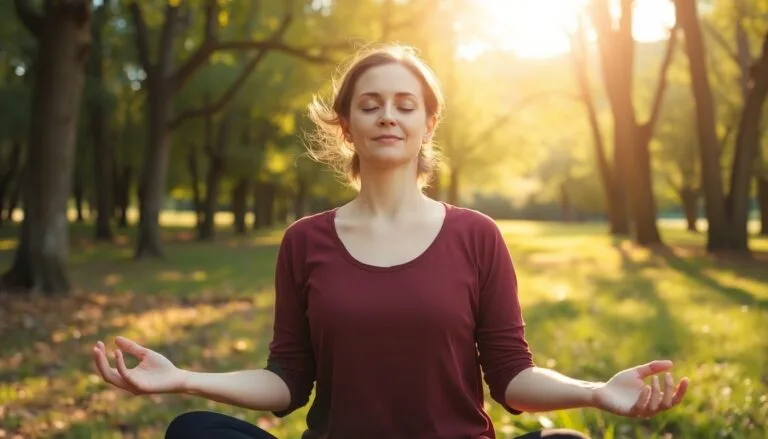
(152,153)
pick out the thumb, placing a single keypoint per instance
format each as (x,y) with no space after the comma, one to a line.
(130,346)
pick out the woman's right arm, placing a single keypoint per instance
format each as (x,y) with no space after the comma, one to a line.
(254,389)
(155,374)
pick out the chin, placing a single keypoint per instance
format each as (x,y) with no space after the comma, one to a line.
(390,163)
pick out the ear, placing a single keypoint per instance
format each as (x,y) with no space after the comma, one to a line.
(431,125)
(345,130)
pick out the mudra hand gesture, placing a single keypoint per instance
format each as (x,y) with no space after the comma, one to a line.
(153,374)
(627,393)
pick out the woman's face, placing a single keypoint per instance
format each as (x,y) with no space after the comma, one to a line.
(388,121)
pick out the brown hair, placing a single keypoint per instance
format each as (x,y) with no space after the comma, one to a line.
(327,143)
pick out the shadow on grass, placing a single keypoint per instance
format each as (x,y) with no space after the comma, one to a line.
(693,269)
(235,338)
(694,265)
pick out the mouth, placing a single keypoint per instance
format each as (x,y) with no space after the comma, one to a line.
(389,137)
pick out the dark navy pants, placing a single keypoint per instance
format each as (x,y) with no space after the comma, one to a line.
(210,425)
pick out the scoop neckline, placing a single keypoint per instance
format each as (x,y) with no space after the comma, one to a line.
(378,268)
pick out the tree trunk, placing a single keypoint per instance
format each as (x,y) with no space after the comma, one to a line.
(453,186)
(217,161)
(64,36)
(154,171)
(690,200)
(197,198)
(747,144)
(213,180)
(239,205)
(264,205)
(282,203)
(102,150)
(762,201)
(614,204)
(122,195)
(7,176)
(644,212)
(300,200)
(718,235)
(79,193)
(15,195)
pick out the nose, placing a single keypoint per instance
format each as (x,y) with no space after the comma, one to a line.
(386,119)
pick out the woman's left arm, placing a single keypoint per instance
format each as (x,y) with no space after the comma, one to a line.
(626,393)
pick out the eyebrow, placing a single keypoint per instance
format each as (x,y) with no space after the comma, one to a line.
(378,95)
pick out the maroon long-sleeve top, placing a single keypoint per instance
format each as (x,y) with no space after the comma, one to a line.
(397,352)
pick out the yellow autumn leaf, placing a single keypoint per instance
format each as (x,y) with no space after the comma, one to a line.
(174,3)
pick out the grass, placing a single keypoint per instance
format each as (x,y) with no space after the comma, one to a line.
(593,304)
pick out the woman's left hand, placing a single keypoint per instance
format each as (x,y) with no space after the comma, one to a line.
(627,393)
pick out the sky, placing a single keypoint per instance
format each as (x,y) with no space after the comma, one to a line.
(535,28)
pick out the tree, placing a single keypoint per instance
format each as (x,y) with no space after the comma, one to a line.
(163,82)
(63,34)
(633,185)
(615,208)
(727,217)
(102,149)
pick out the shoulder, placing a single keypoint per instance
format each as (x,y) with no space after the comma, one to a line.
(472,221)
(309,225)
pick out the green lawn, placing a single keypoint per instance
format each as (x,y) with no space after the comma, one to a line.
(594,305)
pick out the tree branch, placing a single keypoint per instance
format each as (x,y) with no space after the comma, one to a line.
(203,52)
(226,97)
(210,45)
(721,41)
(142,42)
(662,85)
(304,53)
(580,63)
(503,118)
(32,20)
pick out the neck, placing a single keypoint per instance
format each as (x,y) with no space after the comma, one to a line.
(389,193)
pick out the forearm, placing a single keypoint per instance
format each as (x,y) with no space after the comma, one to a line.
(253,389)
(538,389)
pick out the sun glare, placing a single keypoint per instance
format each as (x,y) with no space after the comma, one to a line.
(536,28)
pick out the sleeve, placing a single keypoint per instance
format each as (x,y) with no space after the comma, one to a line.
(290,352)
(500,333)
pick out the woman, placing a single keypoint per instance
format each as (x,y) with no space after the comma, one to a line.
(393,307)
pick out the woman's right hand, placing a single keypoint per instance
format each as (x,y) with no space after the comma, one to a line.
(153,374)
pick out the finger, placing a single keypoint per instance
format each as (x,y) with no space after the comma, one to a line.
(656,396)
(130,346)
(641,403)
(682,387)
(669,390)
(122,369)
(109,374)
(653,367)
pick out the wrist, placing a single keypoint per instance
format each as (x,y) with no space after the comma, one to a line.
(186,381)
(591,400)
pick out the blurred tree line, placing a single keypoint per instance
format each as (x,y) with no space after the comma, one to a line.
(112,106)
